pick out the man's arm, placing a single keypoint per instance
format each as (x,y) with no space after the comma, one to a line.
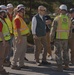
(33,27)
(18,25)
(53,30)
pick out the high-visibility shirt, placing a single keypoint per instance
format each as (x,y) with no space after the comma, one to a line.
(9,23)
(5,31)
(63,27)
(23,28)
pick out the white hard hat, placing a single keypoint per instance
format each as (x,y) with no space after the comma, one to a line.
(71,10)
(3,8)
(63,6)
(20,6)
(9,5)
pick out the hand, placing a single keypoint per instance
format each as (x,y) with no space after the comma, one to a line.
(4,43)
(35,37)
(48,22)
(19,39)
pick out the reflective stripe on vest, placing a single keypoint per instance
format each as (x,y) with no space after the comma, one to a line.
(9,23)
(24,28)
(63,27)
(5,31)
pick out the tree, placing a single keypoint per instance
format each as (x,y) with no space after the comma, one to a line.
(32,5)
(3,2)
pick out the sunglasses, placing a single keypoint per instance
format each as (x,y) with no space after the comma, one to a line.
(42,10)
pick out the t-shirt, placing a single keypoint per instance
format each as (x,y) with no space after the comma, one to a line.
(1,26)
(17,22)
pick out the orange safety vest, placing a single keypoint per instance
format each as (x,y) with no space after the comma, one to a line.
(24,28)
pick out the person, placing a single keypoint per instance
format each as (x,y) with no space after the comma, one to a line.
(14,14)
(20,34)
(60,34)
(39,35)
(72,35)
(9,21)
(4,38)
(48,27)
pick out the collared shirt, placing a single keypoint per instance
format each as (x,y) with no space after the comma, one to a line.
(34,24)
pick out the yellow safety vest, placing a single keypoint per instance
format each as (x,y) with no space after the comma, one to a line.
(5,31)
(63,27)
(9,23)
(24,28)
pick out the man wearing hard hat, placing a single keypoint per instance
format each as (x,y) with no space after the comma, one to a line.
(9,21)
(59,34)
(4,38)
(20,34)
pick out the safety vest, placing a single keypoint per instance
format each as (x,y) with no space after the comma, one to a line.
(5,31)
(63,27)
(24,28)
(9,23)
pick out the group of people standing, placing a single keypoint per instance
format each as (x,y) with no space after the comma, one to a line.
(14,31)
(60,32)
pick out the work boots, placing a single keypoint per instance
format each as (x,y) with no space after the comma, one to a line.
(60,68)
(66,67)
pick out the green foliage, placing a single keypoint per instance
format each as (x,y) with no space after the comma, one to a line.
(32,5)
